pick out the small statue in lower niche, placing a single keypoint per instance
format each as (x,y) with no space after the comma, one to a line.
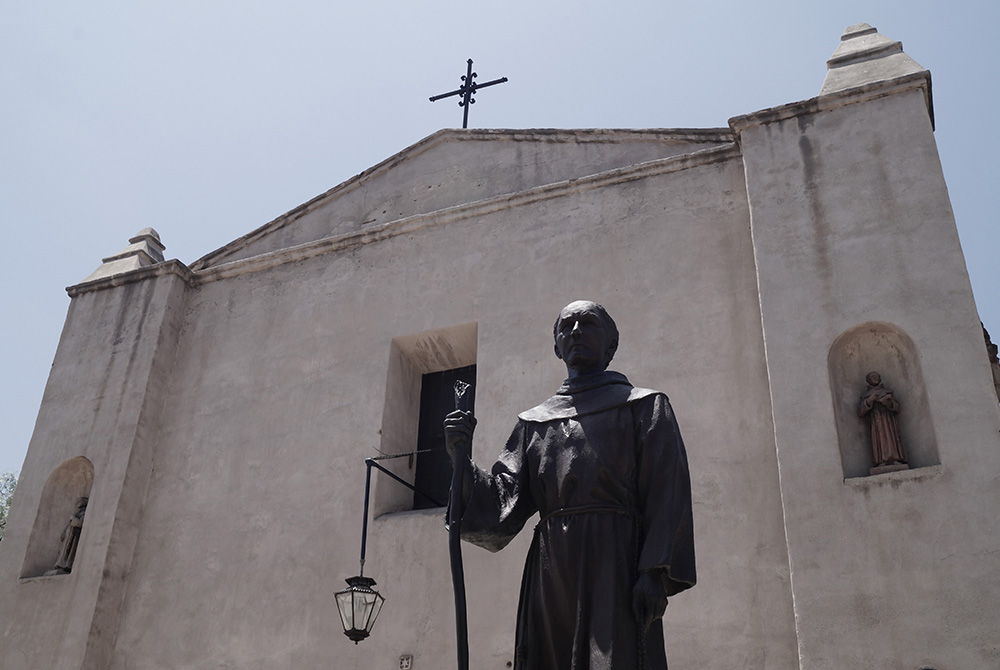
(878,403)
(70,539)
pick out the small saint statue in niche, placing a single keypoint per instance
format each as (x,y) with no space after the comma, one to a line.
(70,539)
(880,405)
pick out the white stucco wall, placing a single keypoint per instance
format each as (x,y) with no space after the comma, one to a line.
(254,507)
(101,403)
(852,224)
(227,411)
(454,167)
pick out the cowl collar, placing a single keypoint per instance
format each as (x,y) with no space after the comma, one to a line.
(586,395)
(586,382)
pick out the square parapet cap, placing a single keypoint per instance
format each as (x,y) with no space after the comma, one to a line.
(144,249)
(864,56)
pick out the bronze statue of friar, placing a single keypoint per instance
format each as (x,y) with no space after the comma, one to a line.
(604,466)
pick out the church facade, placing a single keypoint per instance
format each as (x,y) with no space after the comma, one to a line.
(217,416)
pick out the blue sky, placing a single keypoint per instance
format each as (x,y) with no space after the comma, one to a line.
(205,120)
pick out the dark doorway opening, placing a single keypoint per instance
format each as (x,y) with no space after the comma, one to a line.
(437,400)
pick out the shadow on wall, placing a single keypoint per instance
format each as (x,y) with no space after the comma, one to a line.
(68,483)
(886,349)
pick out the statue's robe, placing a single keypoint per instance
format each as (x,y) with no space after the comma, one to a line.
(604,466)
(70,541)
(887,446)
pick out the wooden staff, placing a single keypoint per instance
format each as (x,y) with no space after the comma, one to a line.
(455,510)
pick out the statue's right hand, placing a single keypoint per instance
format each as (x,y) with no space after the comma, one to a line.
(458,429)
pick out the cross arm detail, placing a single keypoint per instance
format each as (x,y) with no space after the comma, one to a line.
(467,90)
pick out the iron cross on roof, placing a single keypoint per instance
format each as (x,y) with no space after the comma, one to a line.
(467,90)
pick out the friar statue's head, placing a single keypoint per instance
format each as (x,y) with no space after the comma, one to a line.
(586,338)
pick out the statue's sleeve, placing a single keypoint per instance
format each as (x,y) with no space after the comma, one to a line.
(664,496)
(501,500)
(864,405)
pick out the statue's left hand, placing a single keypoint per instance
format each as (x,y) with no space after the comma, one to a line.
(649,599)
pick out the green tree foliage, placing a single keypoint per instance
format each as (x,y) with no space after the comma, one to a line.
(8,480)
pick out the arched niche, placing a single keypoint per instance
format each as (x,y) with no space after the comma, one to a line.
(72,480)
(888,350)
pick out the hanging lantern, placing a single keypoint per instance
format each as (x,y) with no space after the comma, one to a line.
(359,606)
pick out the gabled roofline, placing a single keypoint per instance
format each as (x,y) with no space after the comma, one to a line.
(408,225)
(411,224)
(673,135)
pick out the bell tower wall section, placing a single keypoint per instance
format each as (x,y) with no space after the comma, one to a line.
(101,408)
(851,224)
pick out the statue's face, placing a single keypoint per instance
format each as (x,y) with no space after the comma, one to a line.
(583,340)
(874,378)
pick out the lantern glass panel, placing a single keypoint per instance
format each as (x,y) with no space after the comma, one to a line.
(345,603)
(362,608)
(376,608)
